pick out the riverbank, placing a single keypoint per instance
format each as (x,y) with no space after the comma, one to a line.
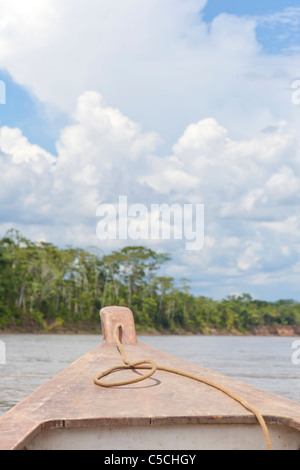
(91,328)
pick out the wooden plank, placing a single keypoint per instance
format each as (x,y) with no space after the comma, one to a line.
(71,399)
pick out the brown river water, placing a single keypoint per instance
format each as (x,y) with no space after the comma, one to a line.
(265,362)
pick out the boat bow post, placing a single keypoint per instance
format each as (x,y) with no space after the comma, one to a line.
(112,316)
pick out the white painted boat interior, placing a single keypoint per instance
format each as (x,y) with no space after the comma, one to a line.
(167,437)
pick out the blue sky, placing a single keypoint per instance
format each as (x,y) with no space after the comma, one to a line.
(273,36)
(239,8)
(181,101)
(40,122)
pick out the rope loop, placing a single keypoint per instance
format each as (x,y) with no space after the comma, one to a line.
(153,367)
(133,365)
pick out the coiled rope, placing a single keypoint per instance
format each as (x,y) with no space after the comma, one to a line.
(152,366)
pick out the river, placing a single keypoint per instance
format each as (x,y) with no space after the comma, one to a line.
(265,362)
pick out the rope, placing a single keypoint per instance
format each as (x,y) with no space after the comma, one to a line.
(152,366)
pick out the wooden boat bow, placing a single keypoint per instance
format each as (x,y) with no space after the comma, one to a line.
(163,410)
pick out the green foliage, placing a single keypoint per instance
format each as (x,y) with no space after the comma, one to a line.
(44,287)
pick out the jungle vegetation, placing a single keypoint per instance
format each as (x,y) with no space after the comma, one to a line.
(43,287)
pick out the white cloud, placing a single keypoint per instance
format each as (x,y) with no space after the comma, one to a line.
(26,179)
(208,93)
(13,143)
(60,49)
(251,256)
(238,179)
(249,188)
(157,61)
(289,225)
(289,16)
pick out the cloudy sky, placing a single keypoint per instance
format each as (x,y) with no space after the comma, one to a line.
(161,101)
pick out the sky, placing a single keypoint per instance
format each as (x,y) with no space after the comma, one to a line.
(164,102)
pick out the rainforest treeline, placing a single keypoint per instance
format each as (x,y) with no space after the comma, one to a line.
(43,287)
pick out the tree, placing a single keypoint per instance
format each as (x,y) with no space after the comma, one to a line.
(42,285)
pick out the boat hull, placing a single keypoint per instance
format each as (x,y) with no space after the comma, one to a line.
(166,437)
(164,411)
